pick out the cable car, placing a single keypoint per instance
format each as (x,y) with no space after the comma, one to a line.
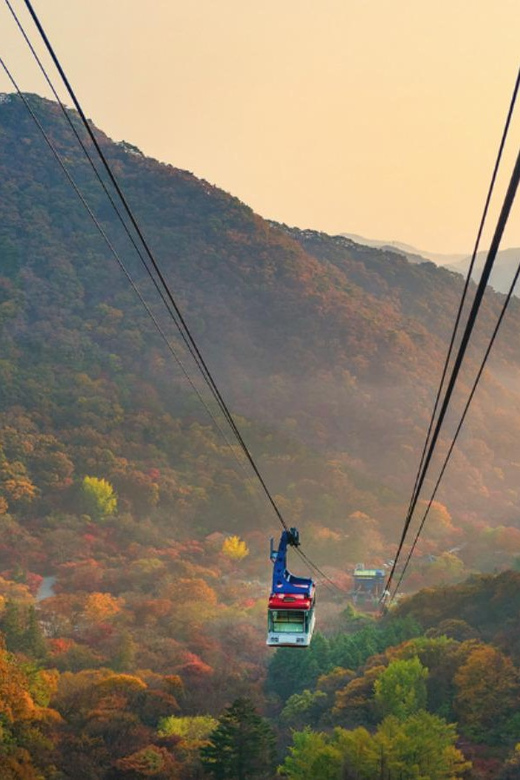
(290,612)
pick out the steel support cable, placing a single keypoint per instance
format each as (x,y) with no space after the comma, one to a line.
(114,205)
(203,367)
(477,301)
(130,279)
(459,427)
(330,584)
(90,160)
(66,114)
(467,281)
(131,238)
(115,253)
(197,356)
(183,327)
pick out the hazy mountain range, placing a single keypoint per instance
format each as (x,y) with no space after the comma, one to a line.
(411,252)
(505,266)
(504,269)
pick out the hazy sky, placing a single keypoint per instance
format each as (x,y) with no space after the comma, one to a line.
(378,117)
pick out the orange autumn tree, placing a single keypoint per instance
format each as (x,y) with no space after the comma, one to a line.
(15,483)
(22,752)
(100,607)
(151,761)
(488,691)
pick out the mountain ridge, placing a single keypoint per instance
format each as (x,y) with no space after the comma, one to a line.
(504,268)
(505,265)
(115,484)
(416,255)
(334,346)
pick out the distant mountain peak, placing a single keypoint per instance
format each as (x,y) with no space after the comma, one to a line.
(505,266)
(414,254)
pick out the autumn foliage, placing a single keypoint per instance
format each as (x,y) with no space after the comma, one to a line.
(133,549)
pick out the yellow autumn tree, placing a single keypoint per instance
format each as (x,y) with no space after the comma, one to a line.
(234,548)
(100,607)
(98,498)
(125,684)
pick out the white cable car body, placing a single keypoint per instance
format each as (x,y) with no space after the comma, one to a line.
(290,611)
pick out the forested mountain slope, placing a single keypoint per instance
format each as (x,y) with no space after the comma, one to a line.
(386,691)
(115,484)
(335,347)
(398,391)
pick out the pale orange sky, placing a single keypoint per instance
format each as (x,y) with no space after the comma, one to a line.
(366,116)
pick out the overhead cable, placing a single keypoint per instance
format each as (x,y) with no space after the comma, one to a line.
(180,321)
(129,234)
(477,301)
(503,139)
(459,427)
(164,288)
(327,581)
(111,247)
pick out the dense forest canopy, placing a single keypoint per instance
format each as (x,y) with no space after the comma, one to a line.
(152,537)
(329,351)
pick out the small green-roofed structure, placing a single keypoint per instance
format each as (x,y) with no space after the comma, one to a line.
(368,584)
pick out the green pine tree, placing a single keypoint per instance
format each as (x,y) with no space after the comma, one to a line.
(13,625)
(34,640)
(23,633)
(242,747)
(291,672)
(124,657)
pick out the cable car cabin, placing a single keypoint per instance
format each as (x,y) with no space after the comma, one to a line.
(290,612)
(290,621)
(369,585)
